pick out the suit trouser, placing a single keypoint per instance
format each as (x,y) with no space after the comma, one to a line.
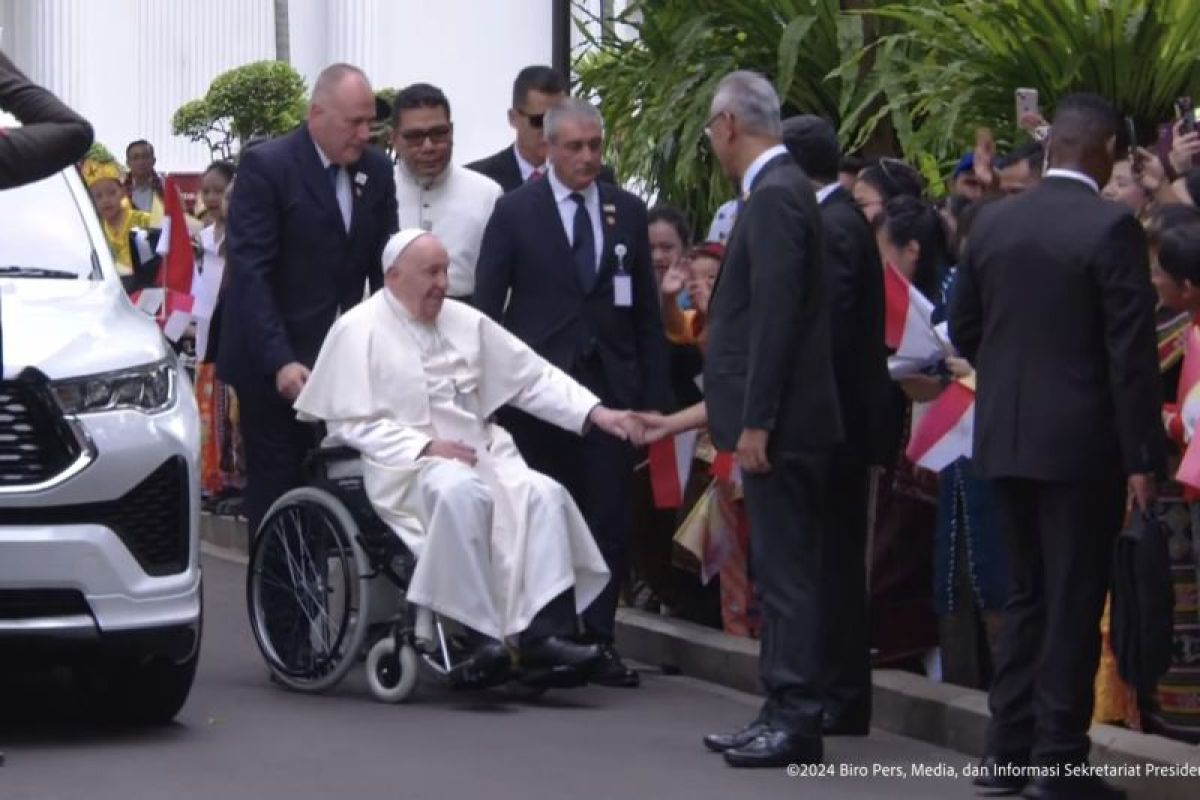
(787,509)
(597,470)
(1060,541)
(276,444)
(847,651)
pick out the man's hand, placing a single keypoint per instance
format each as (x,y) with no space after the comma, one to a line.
(654,427)
(1142,487)
(621,424)
(290,379)
(752,451)
(441,448)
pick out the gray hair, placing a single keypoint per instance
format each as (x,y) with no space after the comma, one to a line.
(570,108)
(331,78)
(752,99)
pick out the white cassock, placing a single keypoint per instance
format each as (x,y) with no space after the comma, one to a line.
(495,542)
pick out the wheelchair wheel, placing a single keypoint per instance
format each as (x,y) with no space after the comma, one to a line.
(307,590)
(392,673)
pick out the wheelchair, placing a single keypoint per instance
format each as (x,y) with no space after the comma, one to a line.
(325,589)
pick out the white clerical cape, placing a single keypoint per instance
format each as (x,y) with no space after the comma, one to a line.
(386,384)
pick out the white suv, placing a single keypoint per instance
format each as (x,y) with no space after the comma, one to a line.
(99,436)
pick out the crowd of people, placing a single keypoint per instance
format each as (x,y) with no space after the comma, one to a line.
(551,309)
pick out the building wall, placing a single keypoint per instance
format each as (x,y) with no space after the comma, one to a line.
(128,64)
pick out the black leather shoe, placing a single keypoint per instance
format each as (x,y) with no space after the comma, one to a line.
(844,726)
(994,777)
(776,748)
(720,742)
(1087,787)
(555,651)
(612,671)
(488,664)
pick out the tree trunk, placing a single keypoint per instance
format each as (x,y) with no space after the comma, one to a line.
(883,141)
(283,50)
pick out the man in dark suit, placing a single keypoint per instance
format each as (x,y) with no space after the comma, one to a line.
(860,368)
(575,256)
(535,90)
(308,219)
(1055,309)
(51,136)
(771,396)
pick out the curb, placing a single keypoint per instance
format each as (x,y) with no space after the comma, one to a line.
(905,704)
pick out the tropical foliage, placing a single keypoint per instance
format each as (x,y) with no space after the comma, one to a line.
(914,78)
(264,98)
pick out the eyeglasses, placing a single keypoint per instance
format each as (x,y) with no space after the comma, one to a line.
(709,123)
(536,120)
(436,135)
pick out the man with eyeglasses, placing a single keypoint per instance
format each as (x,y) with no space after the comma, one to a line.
(432,194)
(535,90)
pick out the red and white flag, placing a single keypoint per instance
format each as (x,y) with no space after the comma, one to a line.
(944,433)
(908,325)
(725,468)
(670,468)
(179,264)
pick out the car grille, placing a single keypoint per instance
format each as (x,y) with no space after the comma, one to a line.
(35,442)
(26,603)
(151,519)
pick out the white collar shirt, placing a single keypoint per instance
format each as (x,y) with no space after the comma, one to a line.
(1071,174)
(757,164)
(344,201)
(567,206)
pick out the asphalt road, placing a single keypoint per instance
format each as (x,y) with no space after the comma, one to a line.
(241,737)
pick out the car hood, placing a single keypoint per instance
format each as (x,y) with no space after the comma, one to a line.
(70,328)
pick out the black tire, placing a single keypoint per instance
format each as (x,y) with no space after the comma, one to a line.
(304,551)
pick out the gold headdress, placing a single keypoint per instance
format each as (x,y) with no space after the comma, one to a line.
(96,171)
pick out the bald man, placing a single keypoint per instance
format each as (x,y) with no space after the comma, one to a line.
(308,219)
(411,380)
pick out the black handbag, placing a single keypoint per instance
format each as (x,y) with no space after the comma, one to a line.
(1143,601)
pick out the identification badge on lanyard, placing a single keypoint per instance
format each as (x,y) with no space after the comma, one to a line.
(622,282)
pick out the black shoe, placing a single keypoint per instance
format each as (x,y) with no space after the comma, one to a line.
(488,664)
(844,725)
(776,748)
(612,670)
(720,742)
(555,651)
(1084,787)
(994,779)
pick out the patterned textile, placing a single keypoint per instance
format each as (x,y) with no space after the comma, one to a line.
(222,463)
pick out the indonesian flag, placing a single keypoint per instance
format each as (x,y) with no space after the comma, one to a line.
(908,326)
(945,431)
(670,467)
(725,468)
(179,264)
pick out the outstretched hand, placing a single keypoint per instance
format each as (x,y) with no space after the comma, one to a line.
(621,424)
(654,426)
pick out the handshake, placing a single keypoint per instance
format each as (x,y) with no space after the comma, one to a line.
(637,427)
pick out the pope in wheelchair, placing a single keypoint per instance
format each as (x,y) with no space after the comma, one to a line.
(411,380)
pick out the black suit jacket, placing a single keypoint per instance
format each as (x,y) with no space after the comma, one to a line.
(1054,307)
(618,353)
(859,353)
(292,264)
(51,135)
(503,168)
(769,362)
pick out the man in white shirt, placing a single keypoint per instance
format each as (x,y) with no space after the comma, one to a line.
(433,194)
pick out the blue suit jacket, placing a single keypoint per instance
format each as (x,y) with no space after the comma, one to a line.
(618,353)
(292,264)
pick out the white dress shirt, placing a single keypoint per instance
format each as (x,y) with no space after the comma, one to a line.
(567,206)
(757,164)
(826,190)
(455,206)
(343,187)
(525,167)
(1075,175)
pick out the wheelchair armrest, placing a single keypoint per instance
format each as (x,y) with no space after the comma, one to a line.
(318,462)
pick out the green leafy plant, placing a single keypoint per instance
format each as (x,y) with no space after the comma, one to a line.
(655,88)
(264,98)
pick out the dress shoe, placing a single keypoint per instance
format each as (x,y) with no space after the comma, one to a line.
(1084,787)
(776,748)
(720,742)
(994,777)
(555,651)
(488,664)
(612,671)
(844,726)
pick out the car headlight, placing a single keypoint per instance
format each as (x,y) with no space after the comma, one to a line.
(150,388)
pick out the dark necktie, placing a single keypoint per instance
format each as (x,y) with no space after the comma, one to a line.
(333,170)
(583,243)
